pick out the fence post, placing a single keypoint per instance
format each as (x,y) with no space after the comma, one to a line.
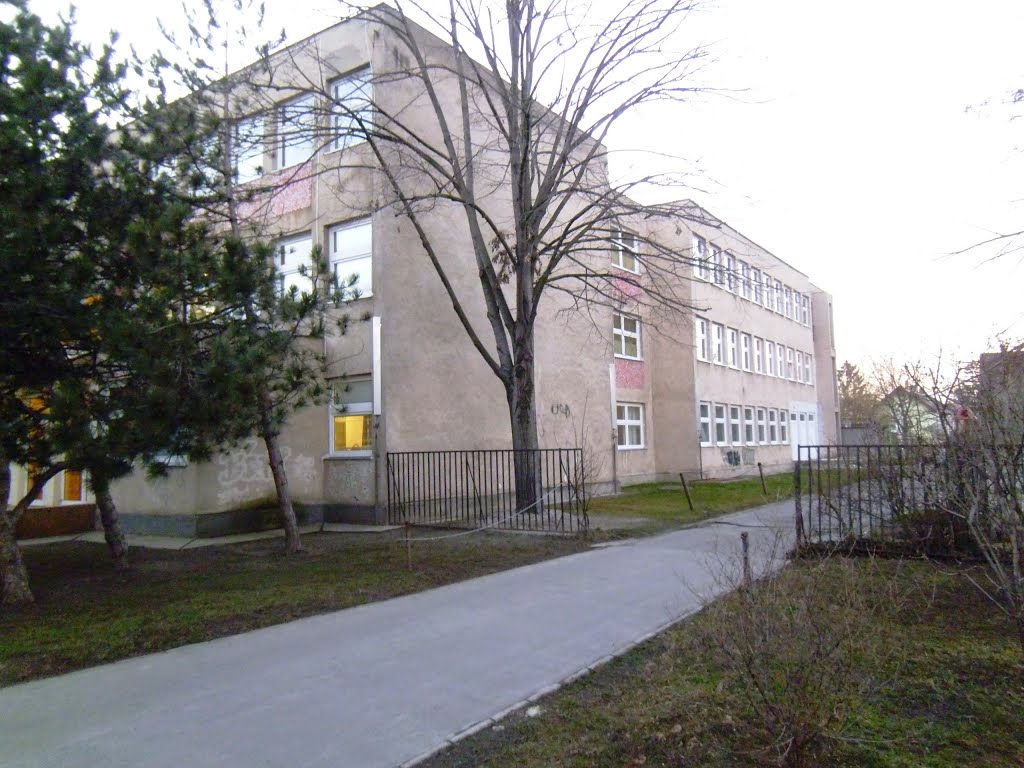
(747,576)
(686,491)
(797,492)
(760,470)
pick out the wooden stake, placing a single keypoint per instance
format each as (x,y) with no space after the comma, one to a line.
(760,469)
(686,491)
(747,576)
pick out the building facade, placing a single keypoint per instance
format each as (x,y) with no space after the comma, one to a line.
(741,380)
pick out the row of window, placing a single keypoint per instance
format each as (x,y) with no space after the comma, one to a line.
(721,268)
(296,135)
(350,259)
(721,345)
(736,425)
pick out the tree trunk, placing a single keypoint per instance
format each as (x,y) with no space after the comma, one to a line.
(111,522)
(285,509)
(14,587)
(523,411)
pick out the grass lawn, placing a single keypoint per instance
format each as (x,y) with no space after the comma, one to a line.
(87,614)
(951,695)
(666,502)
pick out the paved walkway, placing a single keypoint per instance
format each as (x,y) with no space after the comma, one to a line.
(383,684)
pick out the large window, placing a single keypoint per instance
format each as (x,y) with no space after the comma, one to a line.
(762,437)
(718,264)
(294,265)
(701,265)
(769,293)
(352,108)
(773,428)
(783,427)
(351,415)
(702,342)
(351,255)
(790,368)
(720,425)
(755,283)
(629,425)
(788,293)
(718,340)
(624,250)
(748,425)
(626,336)
(296,132)
(808,369)
(745,280)
(247,149)
(758,355)
(778,297)
(805,310)
(730,272)
(74,488)
(770,357)
(705,423)
(733,337)
(735,425)
(745,351)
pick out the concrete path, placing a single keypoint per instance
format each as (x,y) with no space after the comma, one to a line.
(383,684)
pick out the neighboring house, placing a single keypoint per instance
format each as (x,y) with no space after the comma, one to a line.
(911,417)
(743,381)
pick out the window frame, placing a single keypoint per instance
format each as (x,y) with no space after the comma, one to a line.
(762,426)
(721,422)
(769,356)
(755,283)
(337,409)
(783,427)
(623,425)
(769,295)
(749,425)
(350,139)
(718,344)
(282,146)
(620,336)
(718,266)
(704,423)
(773,426)
(745,345)
(730,273)
(281,276)
(735,425)
(703,339)
(619,249)
(758,355)
(701,265)
(255,147)
(732,344)
(334,261)
(790,369)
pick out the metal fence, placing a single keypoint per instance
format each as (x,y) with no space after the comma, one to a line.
(900,494)
(477,489)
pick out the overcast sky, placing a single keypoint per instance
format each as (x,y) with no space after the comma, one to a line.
(862,143)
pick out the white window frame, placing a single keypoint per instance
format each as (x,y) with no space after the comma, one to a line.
(701,266)
(809,369)
(732,339)
(338,260)
(248,139)
(788,293)
(627,417)
(621,335)
(783,427)
(762,427)
(769,351)
(625,249)
(805,310)
(304,128)
(778,297)
(749,427)
(790,368)
(745,351)
(735,425)
(755,282)
(721,423)
(355,90)
(287,269)
(703,341)
(718,344)
(704,423)
(744,280)
(730,273)
(769,294)
(758,355)
(773,426)
(718,265)
(349,409)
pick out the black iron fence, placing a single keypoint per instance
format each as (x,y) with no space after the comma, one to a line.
(478,489)
(909,495)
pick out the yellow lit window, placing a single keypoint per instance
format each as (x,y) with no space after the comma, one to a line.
(352,432)
(72,485)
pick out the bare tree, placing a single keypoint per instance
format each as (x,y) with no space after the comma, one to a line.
(498,114)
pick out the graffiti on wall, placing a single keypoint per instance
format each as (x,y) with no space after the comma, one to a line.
(244,474)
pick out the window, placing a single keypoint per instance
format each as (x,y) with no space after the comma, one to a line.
(730,272)
(788,292)
(701,266)
(755,284)
(351,256)
(783,427)
(352,110)
(629,425)
(247,149)
(626,336)
(761,433)
(73,487)
(735,425)
(799,366)
(703,349)
(773,429)
(769,294)
(790,370)
(732,340)
(745,351)
(718,332)
(296,129)
(351,419)
(704,413)
(745,280)
(758,355)
(624,251)
(718,264)
(294,265)
(748,425)
(808,370)
(778,296)
(720,433)
(770,356)
(805,310)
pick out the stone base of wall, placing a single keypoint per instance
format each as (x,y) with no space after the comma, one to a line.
(212,524)
(67,519)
